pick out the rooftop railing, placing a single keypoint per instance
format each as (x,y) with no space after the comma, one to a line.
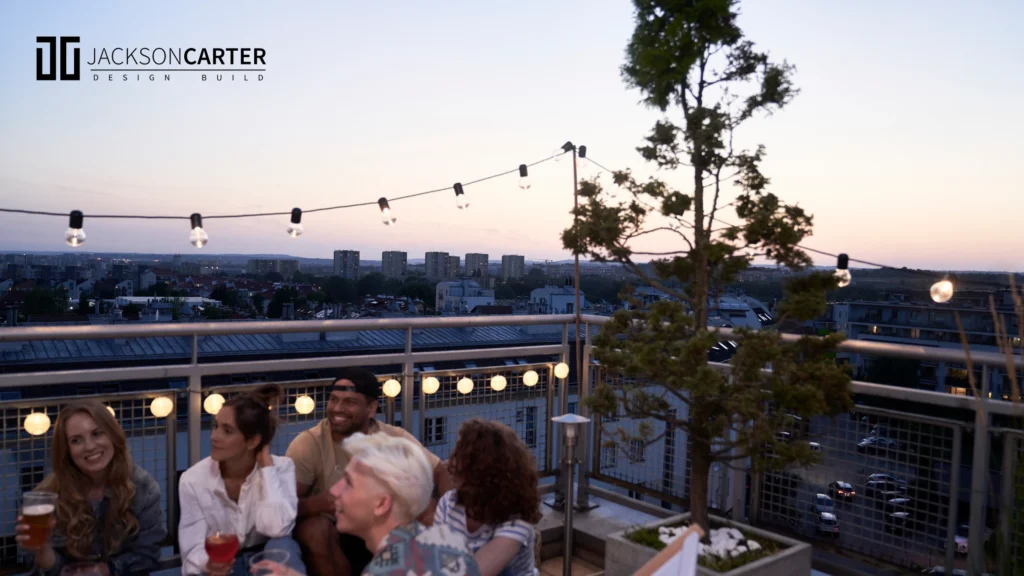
(939,461)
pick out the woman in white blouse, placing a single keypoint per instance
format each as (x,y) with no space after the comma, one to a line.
(241,489)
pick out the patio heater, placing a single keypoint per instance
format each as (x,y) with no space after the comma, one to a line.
(572,424)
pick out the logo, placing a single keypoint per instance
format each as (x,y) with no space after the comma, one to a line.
(51,41)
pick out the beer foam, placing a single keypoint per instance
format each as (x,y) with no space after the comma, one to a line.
(38,510)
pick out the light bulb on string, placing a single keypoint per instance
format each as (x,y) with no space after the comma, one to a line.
(498,383)
(391,388)
(430,385)
(524,177)
(386,215)
(561,370)
(74,235)
(460,197)
(942,291)
(561,151)
(465,386)
(295,228)
(213,403)
(843,271)
(37,423)
(581,158)
(198,236)
(304,404)
(161,406)
(530,378)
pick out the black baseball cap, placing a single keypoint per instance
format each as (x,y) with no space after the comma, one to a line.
(363,381)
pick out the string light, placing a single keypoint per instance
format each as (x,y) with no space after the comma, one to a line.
(498,383)
(843,270)
(561,150)
(197,236)
(561,370)
(304,404)
(74,236)
(111,410)
(213,403)
(524,177)
(295,228)
(37,423)
(530,378)
(581,157)
(942,291)
(431,385)
(465,386)
(161,406)
(460,197)
(385,212)
(391,388)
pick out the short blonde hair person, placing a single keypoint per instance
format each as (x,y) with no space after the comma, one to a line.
(400,465)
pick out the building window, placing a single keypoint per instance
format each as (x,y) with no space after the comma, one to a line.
(609,456)
(574,408)
(636,495)
(435,429)
(636,451)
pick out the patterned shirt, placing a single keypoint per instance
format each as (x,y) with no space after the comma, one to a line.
(454,516)
(422,551)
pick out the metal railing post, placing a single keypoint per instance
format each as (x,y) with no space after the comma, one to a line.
(1006,502)
(954,497)
(979,478)
(407,385)
(195,407)
(171,431)
(584,450)
(549,441)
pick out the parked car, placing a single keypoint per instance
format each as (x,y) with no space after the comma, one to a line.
(822,503)
(900,504)
(815,447)
(886,490)
(962,532)
(897,522)
(828,523)
(880,477)
(875,445)
(841,490)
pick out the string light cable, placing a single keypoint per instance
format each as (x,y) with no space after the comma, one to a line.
(940,292)
(75,234)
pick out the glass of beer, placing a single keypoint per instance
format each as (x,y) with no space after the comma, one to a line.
(221,540)
(37,510)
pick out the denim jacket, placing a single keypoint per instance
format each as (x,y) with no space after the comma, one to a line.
(136,556)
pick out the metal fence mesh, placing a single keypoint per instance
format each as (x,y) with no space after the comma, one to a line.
(1016,512)
(882,487)
(644,458)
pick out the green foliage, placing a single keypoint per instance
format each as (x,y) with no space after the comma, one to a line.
(340,291)
(257,303)
(692,55)
(45,301)
(273,276)
(281,297)
(228,297)
(83,305)
(371,284)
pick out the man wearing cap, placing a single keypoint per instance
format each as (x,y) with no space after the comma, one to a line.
(320,461)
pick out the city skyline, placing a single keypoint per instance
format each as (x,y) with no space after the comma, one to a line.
(320,130)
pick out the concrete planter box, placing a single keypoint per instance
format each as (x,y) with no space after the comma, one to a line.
(623,557)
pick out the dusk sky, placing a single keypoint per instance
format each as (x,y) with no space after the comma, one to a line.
(904,141)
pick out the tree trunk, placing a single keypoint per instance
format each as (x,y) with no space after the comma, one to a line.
(700,465)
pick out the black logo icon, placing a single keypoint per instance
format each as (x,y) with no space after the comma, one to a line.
(52,74)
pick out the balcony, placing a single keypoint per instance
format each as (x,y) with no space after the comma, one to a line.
(956,465)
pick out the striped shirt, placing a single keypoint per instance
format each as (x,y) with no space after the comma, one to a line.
(454,515)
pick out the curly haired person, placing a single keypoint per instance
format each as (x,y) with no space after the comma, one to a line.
(496,503)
